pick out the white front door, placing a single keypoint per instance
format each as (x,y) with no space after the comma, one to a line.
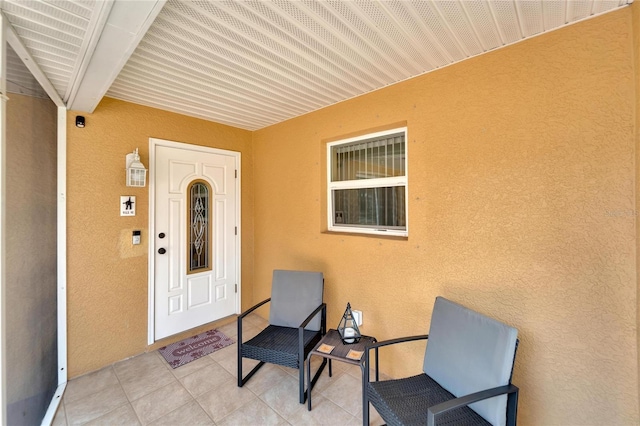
(195,242)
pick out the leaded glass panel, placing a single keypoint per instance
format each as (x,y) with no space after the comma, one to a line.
(199,227)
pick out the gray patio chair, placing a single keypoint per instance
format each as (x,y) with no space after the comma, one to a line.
(297,321)
(466,378)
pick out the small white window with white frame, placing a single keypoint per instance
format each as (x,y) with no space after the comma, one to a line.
(367,184)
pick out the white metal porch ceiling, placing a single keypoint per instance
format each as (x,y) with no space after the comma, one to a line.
(250,64)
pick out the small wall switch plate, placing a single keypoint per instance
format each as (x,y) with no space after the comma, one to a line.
(136,237)
(357,315)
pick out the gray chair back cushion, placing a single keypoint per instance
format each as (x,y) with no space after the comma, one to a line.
(294,295)
(468,352)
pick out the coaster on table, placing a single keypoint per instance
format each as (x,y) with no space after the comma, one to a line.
(355,355)
(326,349)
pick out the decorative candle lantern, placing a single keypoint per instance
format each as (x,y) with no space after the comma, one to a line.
(348,327)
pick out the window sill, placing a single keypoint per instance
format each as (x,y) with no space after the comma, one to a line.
(381,235)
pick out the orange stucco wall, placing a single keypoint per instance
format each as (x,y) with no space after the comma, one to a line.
(636,49)
(522,184)
(107,276)
(521,187)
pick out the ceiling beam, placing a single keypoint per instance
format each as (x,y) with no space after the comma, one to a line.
(125,26)
(87,49)
(18,46)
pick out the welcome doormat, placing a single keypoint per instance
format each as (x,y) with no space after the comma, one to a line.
(192,348)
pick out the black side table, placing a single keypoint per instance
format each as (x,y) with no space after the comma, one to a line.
(339,353)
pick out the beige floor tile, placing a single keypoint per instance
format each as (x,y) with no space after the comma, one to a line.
(88,384)
(383,376)
(224,400)
(190,414)
(374,417)
(143,374)
(60,419)
(227,353)
(265,378)
(337,369)
(121,416)
(324,412)
(356,371)
(205,391)
(254,412)
(346,392)
(282,397)
(230,363)
(230,330)
(191,367)
(324,381)
(337,366)
(95,405)
(137,387)
(249,331)
(256,321)
(206,379)
(161,402)
(143,362)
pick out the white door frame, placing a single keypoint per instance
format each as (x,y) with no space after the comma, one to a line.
(153,143)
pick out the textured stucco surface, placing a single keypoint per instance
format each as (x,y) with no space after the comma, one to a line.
(521,184)
(635,8)
(107,276)
(523,190)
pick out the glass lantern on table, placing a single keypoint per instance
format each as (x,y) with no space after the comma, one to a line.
(348,327)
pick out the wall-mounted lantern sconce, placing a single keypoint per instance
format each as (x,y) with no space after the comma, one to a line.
(136,173)
(79,121)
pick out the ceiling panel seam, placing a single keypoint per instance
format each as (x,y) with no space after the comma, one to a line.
(436,42)
(157,52)
(383,44)
(287,46)
(172,90)
(232,91)
(271,64)
(323,53)
(262,50)
(417,25)
(20,23)
(356,39)
(235,120)
(14,40)
(524,18)
(336,51)
(447,26)
(32,10)
(251,75)
(348,48)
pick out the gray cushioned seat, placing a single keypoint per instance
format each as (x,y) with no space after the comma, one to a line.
(468,352)
(295,294)
(466,380)
(297,322)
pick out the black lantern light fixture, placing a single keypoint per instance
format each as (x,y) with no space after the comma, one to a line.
(348,327)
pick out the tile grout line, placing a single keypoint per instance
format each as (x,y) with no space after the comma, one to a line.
(115,373)
(220,361)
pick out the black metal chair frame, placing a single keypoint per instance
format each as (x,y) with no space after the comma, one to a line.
(303,350)
(430,416)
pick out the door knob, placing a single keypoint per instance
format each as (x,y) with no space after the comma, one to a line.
(161,235)
(162,250)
